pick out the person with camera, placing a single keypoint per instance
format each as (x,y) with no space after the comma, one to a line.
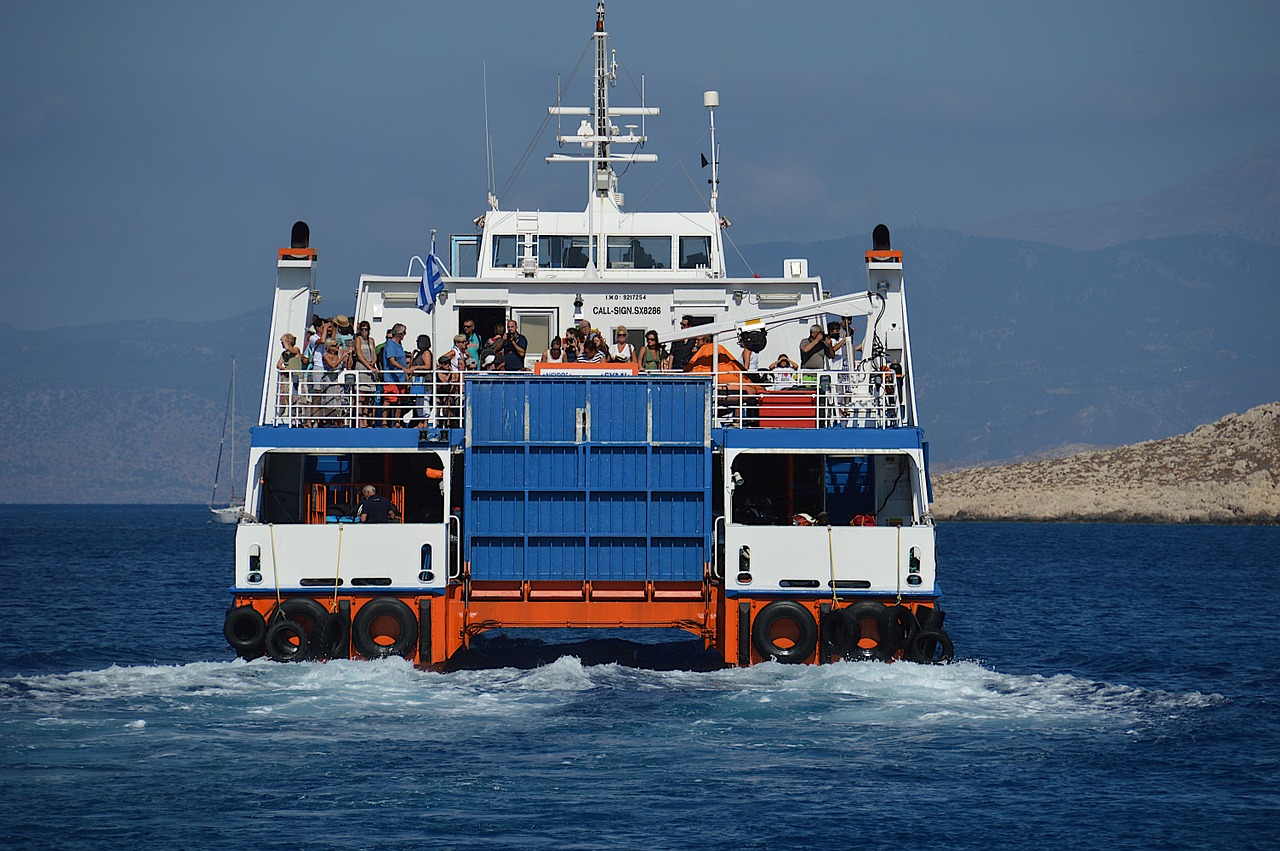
(813,349)
(572,344)
(512,348)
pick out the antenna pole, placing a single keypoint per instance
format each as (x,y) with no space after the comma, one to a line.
(488,139)
(711,100)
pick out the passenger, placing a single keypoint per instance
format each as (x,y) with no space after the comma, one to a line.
(495,340)
(380,398)
(376,509)
(291,357)
(621,351)
(462,360)
(572,344)
(365,359)
(420,369)
(813,349)
(653,356)
(473,340)
(837,346)
(591,352)
(321,330)
(290,367)
(345,336)
(750,359)
(682,350)
(448,389)
(393,374)
(784,371)
(513,348)
(331,408)
(555,354)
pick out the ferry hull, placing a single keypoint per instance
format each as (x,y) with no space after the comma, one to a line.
(430,630)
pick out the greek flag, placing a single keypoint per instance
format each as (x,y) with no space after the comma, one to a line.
(432,280)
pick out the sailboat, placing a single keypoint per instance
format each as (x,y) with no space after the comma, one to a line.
(233,510)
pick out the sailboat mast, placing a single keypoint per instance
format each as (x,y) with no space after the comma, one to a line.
(232,461)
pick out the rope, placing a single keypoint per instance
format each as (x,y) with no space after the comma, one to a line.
(337,571)
(831,559)
(899,571)
(275,570)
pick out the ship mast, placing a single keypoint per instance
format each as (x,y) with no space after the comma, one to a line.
(597,132)
(605,76)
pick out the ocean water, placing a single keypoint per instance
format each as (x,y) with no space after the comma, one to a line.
(1114,689)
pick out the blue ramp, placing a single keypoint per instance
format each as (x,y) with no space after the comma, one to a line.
(587,478)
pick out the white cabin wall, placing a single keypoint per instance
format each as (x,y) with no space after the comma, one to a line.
(290,313)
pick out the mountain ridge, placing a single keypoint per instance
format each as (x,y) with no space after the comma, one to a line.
(1222,472)
(1240,198)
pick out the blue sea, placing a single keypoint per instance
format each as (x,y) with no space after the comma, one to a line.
(1114,688)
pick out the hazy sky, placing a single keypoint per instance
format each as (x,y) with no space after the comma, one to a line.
(154,155)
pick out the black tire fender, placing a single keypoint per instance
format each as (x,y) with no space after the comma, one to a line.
(778,610)
(857,616)
(836,637)
(332,637)
(932,647)
(245,629)
(311,615)
(287,641)
(902,626)
(363,629)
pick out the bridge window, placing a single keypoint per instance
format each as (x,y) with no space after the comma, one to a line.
(639,252)
(695,252)
(563,252)
(506,251)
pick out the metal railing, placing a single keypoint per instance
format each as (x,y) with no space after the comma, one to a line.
(863,398)
(357,399)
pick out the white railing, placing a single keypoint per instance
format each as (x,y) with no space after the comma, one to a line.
(353,398)
(864,398)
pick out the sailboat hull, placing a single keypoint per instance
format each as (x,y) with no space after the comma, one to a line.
(228,514)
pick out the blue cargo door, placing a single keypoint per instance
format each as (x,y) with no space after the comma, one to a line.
(587,478)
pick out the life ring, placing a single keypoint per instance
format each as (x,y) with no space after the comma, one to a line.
(384,618)
(310,614)
(932,647)
(287,641)
(864,646)
(800,645)
(245,629)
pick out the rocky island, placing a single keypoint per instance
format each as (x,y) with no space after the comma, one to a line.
(1224,472)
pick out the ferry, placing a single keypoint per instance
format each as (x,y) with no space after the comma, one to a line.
(777,511)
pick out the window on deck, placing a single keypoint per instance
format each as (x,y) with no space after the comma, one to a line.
(639,252)
(562,252)
(506,251)
(695,252)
